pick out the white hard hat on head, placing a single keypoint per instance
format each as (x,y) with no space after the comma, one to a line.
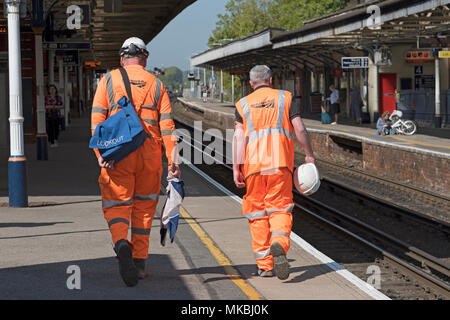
(136,41)
(133,46)
(307,179)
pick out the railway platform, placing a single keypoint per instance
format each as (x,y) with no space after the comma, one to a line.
(420,160)
(63,230)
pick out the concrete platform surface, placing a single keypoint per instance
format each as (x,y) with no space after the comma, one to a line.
(64,228)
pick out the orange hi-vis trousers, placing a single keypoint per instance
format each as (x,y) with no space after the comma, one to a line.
(130,194)
(267,205)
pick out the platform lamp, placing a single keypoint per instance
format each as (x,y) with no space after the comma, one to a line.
(17,177)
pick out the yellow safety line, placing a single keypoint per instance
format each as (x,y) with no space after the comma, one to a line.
(231,272)
(418,142)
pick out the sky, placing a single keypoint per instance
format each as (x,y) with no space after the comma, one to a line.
(186,35)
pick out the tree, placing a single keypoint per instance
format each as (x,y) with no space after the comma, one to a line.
(244,17)
(172,78)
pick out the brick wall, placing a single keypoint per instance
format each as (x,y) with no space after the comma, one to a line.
(417,169)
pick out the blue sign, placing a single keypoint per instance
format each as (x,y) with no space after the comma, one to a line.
(355,62)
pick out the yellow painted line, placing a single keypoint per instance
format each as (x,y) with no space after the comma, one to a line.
(220,257)
(423,143)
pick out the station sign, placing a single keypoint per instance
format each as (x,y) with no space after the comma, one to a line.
(444,54)
(67,45)
(355,62)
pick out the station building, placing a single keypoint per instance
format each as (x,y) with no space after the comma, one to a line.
(394,52)
(71,44)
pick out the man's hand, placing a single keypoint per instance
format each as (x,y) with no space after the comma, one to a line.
(106,164)
(310,159)
(238,177)
(173,171)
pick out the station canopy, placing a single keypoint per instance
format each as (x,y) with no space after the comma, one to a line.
(354,31)
(107,23)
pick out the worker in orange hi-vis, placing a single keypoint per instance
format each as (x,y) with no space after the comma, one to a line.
(263,162)
(130,187)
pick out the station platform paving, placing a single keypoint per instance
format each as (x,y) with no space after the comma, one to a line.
(64,226)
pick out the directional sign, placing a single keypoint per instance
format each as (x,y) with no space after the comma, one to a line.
(355,62)
(67,45)
(444,54)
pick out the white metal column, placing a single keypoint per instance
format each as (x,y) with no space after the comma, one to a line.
(51,66)
(41,137)
(232,88)
(437,113)
(16,164)
(80,88)
(66,95)
(221,85)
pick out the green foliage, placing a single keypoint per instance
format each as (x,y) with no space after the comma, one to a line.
(172,78)
(244,17)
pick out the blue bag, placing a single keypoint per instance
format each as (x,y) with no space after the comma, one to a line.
(120,134)
(326,118)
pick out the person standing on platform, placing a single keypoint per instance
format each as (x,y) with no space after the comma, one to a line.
(334,100)
(53,104)
(130,188)
(263,162)
(355,103)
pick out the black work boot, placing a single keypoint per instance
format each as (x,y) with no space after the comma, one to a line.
(127,269)
(141,267)
(280,262)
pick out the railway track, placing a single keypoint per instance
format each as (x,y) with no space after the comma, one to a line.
(415,199)
(406,271)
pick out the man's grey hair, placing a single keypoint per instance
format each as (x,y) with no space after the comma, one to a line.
(260,74)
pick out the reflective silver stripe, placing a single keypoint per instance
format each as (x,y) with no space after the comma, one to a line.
(280,109)
(247,115)
(146,196)
(99,110)
(117,220)
(140,231)
(157,93)
(113,107)
(165,116)
(111,203)
(152,122)
(288,208)
(255,135)
(262,254)
(166,132)
(150,107)
(280,233)
(255,215)
(109,87)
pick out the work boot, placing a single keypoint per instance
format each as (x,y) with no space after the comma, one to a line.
(141,267)
(265,273)
(280,262)
(127,269)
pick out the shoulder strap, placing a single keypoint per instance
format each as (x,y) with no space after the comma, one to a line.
(126,81)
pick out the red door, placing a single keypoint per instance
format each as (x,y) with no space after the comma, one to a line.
(388,85)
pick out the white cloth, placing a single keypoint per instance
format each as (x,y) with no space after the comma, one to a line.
(171,210)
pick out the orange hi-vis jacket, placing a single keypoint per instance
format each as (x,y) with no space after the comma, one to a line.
(268,131)
(150,99)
